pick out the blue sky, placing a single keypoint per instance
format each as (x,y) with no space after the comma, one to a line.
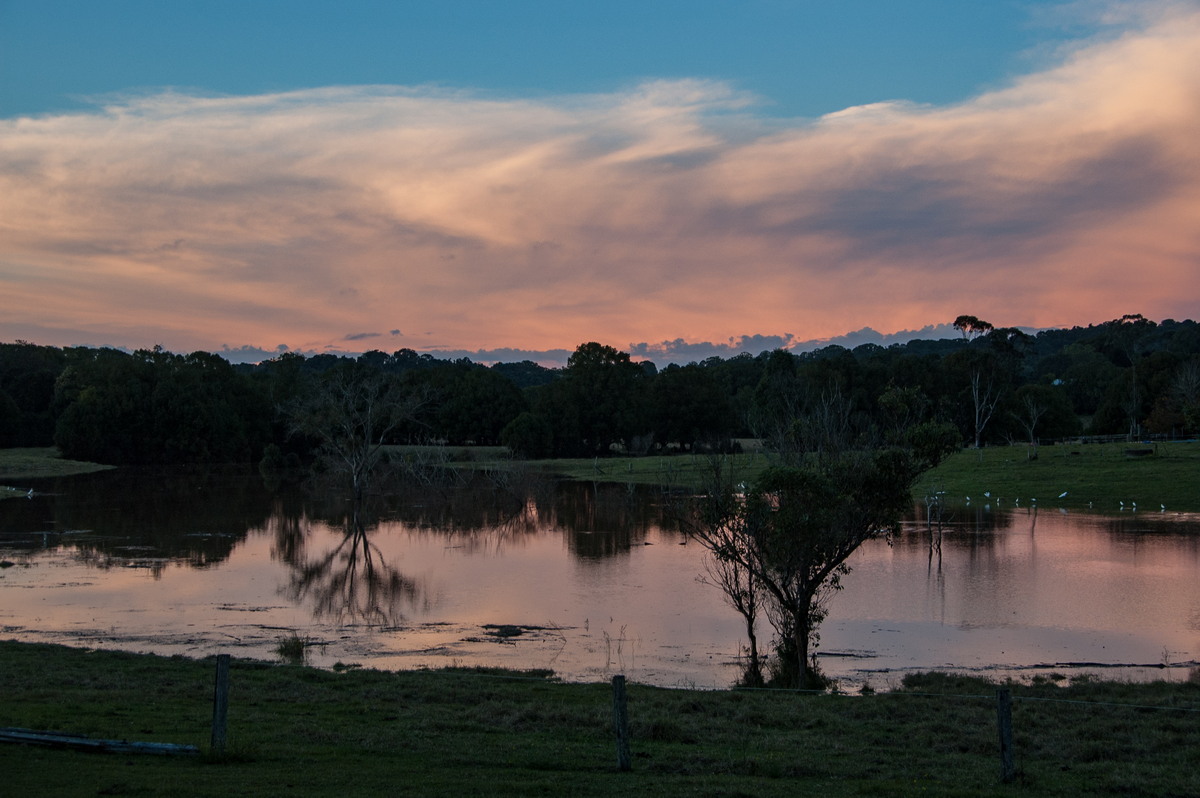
(802,58)
(674,179)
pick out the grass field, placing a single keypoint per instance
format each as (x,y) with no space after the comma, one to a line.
(301,732)
(1096,476)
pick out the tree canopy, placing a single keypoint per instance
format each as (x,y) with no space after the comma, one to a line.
(1128,376)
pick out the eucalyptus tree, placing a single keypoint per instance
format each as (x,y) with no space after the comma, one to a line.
(972,326)
(1124,339)
(987,370)
(783,541)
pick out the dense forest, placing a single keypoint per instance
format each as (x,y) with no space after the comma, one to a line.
(1130,376)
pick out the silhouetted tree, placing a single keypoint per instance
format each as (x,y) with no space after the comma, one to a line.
(971,326)
(529,436)
(598,403)
(792,531)
(687,405)
(351,412)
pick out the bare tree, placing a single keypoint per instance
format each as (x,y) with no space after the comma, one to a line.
(720,528)
(351,412)
(984,396)
(1032,408)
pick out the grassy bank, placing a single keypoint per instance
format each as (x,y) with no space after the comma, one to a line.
(1095,476)
(302,732)
(17,464)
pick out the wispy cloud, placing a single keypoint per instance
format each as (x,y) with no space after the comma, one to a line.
(670,212)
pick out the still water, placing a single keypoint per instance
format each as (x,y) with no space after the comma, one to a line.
(585,580)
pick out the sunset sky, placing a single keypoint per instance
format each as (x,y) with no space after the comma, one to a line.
(509,179)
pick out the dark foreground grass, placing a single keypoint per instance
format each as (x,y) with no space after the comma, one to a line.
(297,731)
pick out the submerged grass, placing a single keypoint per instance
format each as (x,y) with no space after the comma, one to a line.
(292,648)
(301,732)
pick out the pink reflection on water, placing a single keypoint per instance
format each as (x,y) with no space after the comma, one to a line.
(1033,589)
(1009,592)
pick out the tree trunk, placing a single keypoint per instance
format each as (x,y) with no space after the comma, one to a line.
(802,632)
(754,677)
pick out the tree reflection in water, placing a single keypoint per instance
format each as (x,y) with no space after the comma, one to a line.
(352,582)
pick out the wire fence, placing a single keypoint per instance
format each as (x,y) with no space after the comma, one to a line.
(632,706)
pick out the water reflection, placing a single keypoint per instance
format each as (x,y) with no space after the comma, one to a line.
(197,560)
(351,582)
(1023,589)
(140,518)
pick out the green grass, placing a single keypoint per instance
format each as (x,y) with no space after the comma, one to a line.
(38,462)
(1100,474)
(300,732)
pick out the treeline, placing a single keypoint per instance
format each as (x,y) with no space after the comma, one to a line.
(1130,376)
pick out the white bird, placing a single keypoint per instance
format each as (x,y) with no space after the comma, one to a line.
(987,493)
(1162,508)
(29,495)
(1061,495)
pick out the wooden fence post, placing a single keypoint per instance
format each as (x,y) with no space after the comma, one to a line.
(220,705)
(1008,770)
(621,723)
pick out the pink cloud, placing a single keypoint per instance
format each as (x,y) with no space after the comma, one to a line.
(668,211)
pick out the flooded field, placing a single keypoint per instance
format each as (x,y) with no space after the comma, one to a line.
(581,579)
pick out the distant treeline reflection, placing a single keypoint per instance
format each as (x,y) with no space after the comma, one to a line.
(198,515)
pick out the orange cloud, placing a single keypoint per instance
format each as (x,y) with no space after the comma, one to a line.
(668,211)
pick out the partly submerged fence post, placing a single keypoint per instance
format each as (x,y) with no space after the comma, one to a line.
(621,723)
(220,704)
(1008,770)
